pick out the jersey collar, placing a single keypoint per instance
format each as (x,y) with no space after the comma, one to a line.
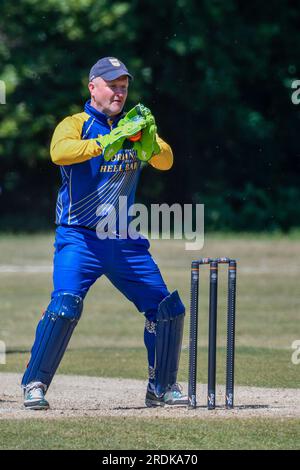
(101,117)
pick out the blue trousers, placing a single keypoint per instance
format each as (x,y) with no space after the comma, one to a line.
(81,258)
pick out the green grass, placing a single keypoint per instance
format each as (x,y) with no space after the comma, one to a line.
(254,366)
(267,293)
(109,342)
(109,338)
(161,434)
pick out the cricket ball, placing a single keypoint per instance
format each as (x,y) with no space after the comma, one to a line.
(135,137)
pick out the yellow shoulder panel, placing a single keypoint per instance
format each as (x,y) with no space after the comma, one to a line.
(67,147)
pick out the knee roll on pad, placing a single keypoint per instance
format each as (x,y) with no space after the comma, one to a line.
(52,337)
(170,307)
(169,331)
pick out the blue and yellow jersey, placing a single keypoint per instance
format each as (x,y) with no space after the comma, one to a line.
(88,181)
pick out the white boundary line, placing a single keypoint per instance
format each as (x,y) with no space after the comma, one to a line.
(29,269)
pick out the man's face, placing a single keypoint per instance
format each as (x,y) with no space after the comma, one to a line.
(109,96)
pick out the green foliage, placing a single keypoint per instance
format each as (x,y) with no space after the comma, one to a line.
(252,209)
(217,76)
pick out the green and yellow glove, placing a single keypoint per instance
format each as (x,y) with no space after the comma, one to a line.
(147,146)
(112,143)
(145,142)
(134,113)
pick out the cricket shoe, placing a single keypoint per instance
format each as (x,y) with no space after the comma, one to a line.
(173,396)
(34,396)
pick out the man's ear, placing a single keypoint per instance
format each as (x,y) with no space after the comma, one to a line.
(91,87)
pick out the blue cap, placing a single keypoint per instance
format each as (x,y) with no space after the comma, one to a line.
(109,68)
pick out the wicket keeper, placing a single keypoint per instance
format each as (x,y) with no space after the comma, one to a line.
(99,153)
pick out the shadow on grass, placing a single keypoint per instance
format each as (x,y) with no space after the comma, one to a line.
(18,351)
(200,407)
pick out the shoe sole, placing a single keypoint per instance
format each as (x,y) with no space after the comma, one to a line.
(154,404)
(37,406)
(183,403)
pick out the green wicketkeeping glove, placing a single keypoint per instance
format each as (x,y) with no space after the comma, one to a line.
(147,146)
(134,113)
(111,143)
